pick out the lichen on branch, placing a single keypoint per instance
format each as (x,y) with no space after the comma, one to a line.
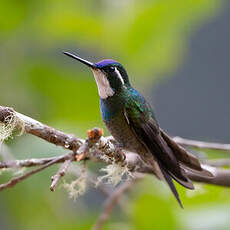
(94,148)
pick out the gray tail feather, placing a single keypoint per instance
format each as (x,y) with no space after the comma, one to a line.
(187,184)
(171,185)
(181,154)
(186,159)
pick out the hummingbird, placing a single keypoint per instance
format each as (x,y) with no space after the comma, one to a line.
(131,121)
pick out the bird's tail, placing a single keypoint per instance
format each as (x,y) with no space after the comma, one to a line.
(170,183)
(187,160)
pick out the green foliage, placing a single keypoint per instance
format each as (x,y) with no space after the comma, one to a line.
(150,38)
(150,219)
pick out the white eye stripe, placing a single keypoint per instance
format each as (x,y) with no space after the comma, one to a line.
(119,75)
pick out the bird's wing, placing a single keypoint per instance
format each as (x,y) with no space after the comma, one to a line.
(143,123)
(141,120)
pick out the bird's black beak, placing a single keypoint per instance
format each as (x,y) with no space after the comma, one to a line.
(90,64)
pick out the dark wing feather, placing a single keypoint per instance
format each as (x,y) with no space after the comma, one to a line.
(161,151)
(189,161)
(141,120)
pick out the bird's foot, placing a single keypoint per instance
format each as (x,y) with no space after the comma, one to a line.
(80,157)
(119,155)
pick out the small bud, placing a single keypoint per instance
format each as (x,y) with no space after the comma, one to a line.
(95,133)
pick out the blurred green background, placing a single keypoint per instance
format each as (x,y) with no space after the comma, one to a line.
(150,37)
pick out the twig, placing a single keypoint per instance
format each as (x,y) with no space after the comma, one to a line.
(61,172)
(218,162)
(217,180)
(111,202)
(221,177)
(94,136)
(201,144)
(31,162)
(16,180)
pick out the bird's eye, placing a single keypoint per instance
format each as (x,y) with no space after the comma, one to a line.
(111,69)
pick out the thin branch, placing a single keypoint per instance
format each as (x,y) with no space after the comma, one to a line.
(31,162)
(111,202)
(61,172)
(201,144)
(16,180)
(221,177)
(218,162)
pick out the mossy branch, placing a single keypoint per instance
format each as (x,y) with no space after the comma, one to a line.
(96,148)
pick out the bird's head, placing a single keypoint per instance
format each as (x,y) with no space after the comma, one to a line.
(111,77)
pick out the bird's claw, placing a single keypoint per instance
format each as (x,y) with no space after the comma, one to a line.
(120,155)
(80,157)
